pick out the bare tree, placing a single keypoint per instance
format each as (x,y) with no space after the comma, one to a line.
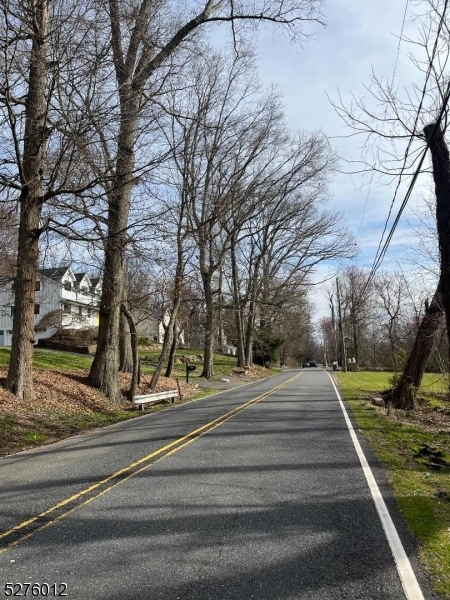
(357,302)
(37,160)
(220,154)
(290,237)
(34,24)
(406,124)
(391,291)
(171,329)
(144,37)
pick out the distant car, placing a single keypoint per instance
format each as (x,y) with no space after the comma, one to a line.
(305,365)
(312,363)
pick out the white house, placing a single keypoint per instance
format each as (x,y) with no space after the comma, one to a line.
(63,299)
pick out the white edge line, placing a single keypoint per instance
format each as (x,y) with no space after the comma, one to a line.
(408,579)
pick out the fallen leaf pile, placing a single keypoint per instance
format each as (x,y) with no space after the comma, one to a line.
(253,372)
(63,404)
(424,418)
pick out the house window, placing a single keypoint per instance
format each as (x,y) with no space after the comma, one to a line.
(80,311)
(12,311)
(68,286)
(89,312)
(67,308)
(37,309)
(1,332)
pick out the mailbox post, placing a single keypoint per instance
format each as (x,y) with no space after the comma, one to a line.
(189,368)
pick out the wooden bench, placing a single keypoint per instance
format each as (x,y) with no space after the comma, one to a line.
(141,401)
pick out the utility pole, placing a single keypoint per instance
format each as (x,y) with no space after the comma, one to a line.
(333,325)
(325,348)
(341,326)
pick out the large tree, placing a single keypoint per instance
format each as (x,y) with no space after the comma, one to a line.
(407,124)
(144,37)
(36,160)
(229,156)
(289,238)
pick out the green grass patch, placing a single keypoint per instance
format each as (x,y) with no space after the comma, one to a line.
(52,360)
(223,363)
(421,485)
(68,361)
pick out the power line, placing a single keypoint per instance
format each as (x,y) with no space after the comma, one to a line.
(413,135)
(399,42)
(379,258)
(382,248)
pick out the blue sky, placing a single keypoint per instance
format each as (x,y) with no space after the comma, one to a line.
(359,37)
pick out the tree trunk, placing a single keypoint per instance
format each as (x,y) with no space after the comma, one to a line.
(210,324)
(251,317)
(136,367)
(221,333)
(166,347)
(441,175)
(237,307)
(403,395)
(250,330)
(20,374)
(104,369)
(171,330)
(125,351)
(392,340)
(173,350)
(169,347)
(356,341)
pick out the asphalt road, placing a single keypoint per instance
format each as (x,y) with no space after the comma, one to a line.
(194,503)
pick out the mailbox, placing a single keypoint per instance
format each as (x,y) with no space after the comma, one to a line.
(189,369)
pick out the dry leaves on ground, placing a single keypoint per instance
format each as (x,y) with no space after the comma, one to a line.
(64,403)
(437,420)
(253,372)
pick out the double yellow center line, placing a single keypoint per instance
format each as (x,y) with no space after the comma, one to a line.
(27,528)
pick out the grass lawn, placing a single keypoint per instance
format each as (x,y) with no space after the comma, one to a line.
(223,363)
(417,457)
(68,361)
(54,361)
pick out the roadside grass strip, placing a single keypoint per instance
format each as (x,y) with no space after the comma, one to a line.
(407,577)
(421,485)
(28,528)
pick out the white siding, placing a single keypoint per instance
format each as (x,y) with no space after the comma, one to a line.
(50,300)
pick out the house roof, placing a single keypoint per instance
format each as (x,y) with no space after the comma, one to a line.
(80,276)
(55,273)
